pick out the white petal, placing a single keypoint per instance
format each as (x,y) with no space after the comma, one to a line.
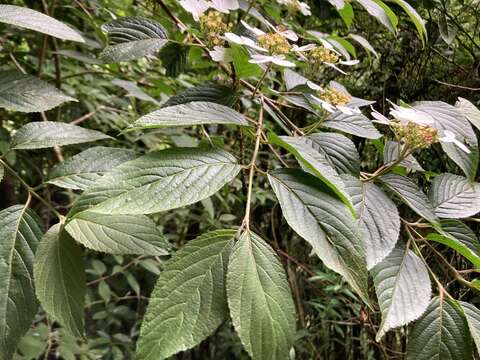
(255,30)
(195,7)
(303,48)
(250,43)
(304,9)
(281,62)
(313,86)
(260,59)
(325,105)
(379,117)
(225,6)
(347,110)
(219,53)
(461,146)
(404,114)
(231,37)
(289,34)
(449,136)
(335,67)
(349,62)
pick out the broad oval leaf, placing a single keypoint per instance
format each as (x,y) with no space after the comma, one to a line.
(26,93)
(410,194)
(358,125)
(208,92)
(160,181)
(378,12)
(315,161)
(472,314)
(448,117)
(34,20)
(458,236)
(193,113)
(415,18)
(378,218)
(441,333)
(365,43)
(132,38)
(19,237)
(260,300)
(117,234)
(189,300)
(84,169)
(470,111)
(60,281)
(318,216)
(454,196)
(45,134)
(391,153)
(403,289)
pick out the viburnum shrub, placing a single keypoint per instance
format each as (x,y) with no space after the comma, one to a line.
(268,116)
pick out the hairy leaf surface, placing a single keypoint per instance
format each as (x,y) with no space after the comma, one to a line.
(259,299)
(391,153)
(358,125)
(189,300)
(19,237)
(208,92)
(472,314)
(470,111)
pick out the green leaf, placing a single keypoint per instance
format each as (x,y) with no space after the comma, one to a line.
(472,314)
(318,216)
(448,117)
(470,111)
(259,299)
(391,153)
(84,169)
(458,236)
(60,281)
(308,155)
(346,13)
(378,12)
(454,196)
(441,333)
(208,92)
(358,125)
(19,236)
(34,20)
(26,93)
(415,18)
(45,134)
(117,234)
(133,90)
(410,194)
(160,181)
(174,58)
(132,38)
(193,113)
(378,218)
(403,289)
(189,301)
(242,67)
(365,43)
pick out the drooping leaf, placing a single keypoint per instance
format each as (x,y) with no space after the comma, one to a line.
(84,169)
(133,90)
(160,181)
(174,58)
(60,282)
(293,79)
(132,38)
(34,20)
(448,117)
(345,10)
(189,300)
(454,196)
(318,216)
(458,236)
(410,194)
(470,111)
(378,12)
(259,299)
(391,153)
(26,93)
(358,125)
(378,218)
(44,134)
(315,161)
(441,333)
(403,289)
(208,92)
(117,234)
(415,18)
(472,314)
(447,31)
(193,113)
(19,236)
(365,43)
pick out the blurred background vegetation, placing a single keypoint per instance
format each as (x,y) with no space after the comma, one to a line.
(332,323)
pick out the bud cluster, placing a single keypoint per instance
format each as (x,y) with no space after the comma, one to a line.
(213,26)
(334,96)
(275,43)
(321,54)
(416,136)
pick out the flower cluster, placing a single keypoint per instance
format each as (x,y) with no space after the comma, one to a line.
(213,27)
(198,7)
(294,6)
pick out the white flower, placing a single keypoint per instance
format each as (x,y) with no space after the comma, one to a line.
(195,7)
(220,54)
(243,40)
(449,137)
(276,59)
(225,6)
(286,33)
(379,118)
(304,8)
(404,114)
(330,107)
